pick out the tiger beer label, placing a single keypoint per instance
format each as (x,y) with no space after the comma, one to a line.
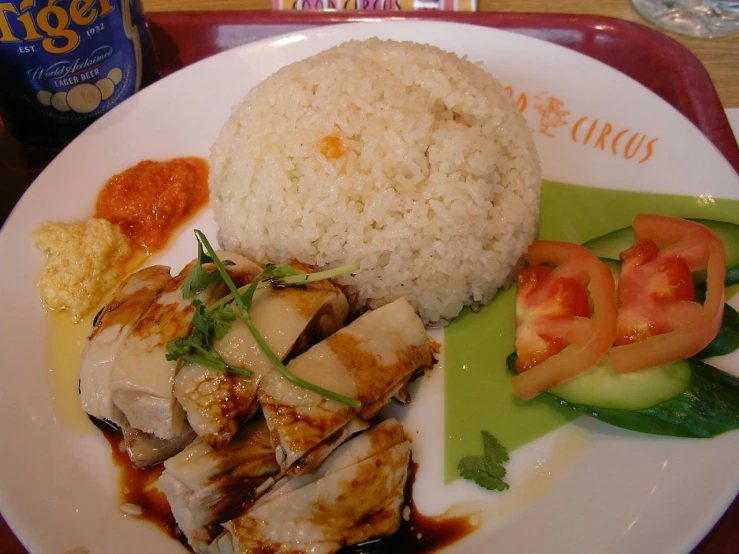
(71,60)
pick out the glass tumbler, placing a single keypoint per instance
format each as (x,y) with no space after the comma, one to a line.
(695,18)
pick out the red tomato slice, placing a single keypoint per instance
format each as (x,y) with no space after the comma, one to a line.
(658,321)
(558,334)
(651,287)
(543,302)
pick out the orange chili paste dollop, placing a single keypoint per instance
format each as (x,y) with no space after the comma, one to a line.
(151,199)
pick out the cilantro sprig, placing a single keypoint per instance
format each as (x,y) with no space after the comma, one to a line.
(214,322)
(285,276)
(486,470)
(198,346)
(198,278)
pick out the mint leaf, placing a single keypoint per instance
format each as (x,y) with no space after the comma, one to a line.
(487,470)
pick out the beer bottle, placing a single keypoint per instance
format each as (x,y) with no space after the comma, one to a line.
(64,63)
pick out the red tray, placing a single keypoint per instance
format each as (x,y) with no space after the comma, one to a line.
(658,62)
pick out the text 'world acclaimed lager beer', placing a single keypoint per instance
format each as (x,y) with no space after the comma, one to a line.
(64,63)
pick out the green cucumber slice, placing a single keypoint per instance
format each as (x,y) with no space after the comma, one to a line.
(708,407)
(602,387)
(610,245)
(727,339)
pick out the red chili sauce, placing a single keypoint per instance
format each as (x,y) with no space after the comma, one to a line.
(152,199)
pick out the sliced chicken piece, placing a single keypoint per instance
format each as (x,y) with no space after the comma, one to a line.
(142,379)
(134,295)
(145,449)
(216,403)
(356,494)
(312,460)
(288,318)
(206,487)
(369,360)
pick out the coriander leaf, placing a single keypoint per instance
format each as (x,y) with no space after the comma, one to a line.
(178,348)
(198,346)
(487,470)
(483,473)
(222,320)
(295,279)
(493,449)
(215,363)
(248,296)
(213,325)
(283,271)
(200,321)
(198,278)
(243,303)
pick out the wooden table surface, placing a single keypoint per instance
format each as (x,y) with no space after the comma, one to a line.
(719,56)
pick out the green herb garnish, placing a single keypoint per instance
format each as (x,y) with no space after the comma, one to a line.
(198,346)
(285,276)
(198,278)
(486,470)
(215,322)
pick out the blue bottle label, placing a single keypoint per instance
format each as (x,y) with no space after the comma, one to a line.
(68,60)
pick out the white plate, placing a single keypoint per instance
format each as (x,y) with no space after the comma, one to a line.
(603,491)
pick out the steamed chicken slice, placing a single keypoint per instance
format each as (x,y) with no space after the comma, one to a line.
(312,460)
(145,449)
(142,379)
(206,487)
(382,436)
(369,360)
(134,295)
(218,403)
(357,494)
(288,318)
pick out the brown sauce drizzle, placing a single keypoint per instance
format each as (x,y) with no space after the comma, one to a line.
(418,534)
(137,486)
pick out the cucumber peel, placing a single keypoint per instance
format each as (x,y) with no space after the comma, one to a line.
(709,406)
(602,387)
(610,245)
(727,339)
(686,399)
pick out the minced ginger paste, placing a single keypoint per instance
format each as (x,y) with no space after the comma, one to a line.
(84,261)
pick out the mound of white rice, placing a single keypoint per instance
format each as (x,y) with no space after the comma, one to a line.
(400,156)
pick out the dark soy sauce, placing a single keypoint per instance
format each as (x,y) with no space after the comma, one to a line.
(418,534)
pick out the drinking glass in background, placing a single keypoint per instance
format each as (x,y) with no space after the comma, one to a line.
(695,18)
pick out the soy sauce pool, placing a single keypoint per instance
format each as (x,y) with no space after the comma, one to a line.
(137,487)
(418,534)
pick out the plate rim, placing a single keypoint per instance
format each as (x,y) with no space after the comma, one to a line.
(245,46)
